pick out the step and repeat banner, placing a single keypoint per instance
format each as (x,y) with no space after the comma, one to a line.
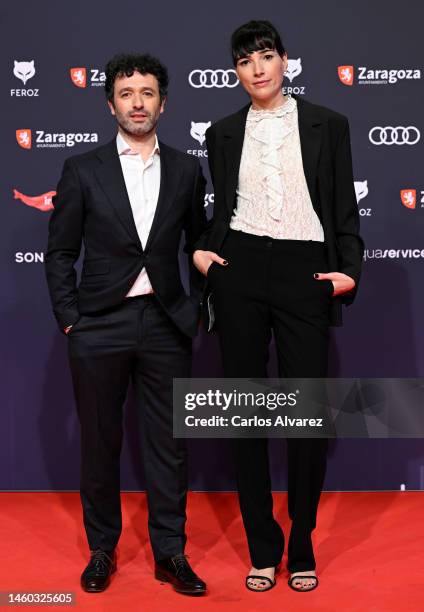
(361,59)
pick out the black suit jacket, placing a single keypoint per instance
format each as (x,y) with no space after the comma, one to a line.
(92,207)
(327,163)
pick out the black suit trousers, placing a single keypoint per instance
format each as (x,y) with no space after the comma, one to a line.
(269,286)
(138,342)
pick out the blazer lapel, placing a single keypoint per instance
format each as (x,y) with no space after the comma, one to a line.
(111,179)
(310,142)
(234,137)
(170,177)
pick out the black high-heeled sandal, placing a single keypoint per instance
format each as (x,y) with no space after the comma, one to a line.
(272,583)
(302,577)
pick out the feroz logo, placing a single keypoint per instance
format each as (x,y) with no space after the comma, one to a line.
(408,198)
(294,68)
(213,78)
(79,76)
(24,138)
(197,131)
(42,202)
(361,192)
(390,135)
(346,74)
(24,71)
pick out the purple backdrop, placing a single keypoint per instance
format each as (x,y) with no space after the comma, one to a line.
(378,85)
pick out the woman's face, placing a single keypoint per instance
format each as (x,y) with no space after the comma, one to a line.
(261,74)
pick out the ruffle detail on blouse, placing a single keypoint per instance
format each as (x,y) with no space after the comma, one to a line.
(268,128)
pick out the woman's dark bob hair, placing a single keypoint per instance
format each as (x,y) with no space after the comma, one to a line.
(255,36)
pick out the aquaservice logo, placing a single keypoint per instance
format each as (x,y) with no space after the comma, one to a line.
(41,202)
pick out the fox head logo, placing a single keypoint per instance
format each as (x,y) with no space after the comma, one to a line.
(346,74)
(79,76)
(42,202)
(24,138)
(361,189)
(408,197)
(294,68)
(24,70)
(197,131)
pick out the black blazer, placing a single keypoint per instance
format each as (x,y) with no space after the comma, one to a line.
(92,207)
(327,163)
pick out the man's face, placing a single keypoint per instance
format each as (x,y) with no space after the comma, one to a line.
(136,103)
(261,73)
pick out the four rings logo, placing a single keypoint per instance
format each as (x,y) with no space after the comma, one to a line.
(398,135)
(213,78)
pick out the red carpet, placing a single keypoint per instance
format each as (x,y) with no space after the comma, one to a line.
(369,549)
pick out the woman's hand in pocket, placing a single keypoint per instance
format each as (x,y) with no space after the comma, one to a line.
(204,259)
(342,283)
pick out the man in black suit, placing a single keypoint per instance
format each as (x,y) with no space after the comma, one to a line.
(129,318)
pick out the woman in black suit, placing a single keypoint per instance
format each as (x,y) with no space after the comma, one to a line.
(281,254)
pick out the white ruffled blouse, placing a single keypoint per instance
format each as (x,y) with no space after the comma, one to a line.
(272,194)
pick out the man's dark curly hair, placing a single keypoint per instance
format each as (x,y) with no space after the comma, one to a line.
(125,64)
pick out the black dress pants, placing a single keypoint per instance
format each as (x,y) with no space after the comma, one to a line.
(267,286)
(136,341)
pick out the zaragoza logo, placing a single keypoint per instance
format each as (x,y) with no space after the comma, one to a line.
(41,202)
(24,138)
(408,198)
(53,140)
(377,76)
(86,77)
(79,76)
(346,74)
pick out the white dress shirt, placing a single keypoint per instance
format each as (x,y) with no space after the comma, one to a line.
(142,180)
(272,194)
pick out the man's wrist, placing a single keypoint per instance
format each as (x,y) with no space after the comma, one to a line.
(67,329)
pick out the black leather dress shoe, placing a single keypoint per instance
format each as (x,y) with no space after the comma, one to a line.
(96,576)
(178,572)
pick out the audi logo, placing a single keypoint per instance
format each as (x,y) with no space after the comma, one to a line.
(213,78)
(390,135)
